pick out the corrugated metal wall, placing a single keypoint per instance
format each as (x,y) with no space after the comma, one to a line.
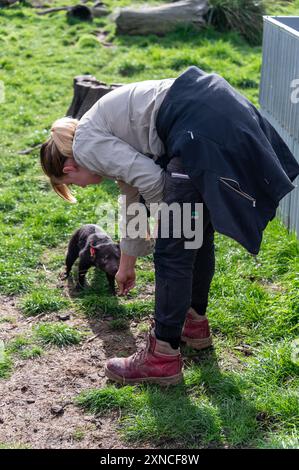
(280,68)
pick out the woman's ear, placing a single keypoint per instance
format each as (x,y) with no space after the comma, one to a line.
(70,166)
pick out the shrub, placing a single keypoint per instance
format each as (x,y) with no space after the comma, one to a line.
(244,16)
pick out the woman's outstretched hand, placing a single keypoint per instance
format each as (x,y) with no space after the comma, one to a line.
(125,281)
(125,276)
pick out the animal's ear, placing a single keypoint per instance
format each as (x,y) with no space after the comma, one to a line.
(93,246)
(92,251)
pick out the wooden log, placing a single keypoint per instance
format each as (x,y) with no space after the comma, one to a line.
(87,90)
(51,10)
(99,10)
(7,3)
(80,11)
(160,19)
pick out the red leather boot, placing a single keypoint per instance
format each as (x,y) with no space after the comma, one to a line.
(156,363)
(196,331)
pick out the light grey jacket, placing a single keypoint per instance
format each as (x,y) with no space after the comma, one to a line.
(117,138)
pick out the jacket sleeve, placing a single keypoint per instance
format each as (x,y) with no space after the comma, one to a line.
(133,246)
(105,154)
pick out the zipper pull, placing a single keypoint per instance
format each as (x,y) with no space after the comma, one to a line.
(254,203)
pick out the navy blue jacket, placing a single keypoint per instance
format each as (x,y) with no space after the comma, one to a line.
(234,156)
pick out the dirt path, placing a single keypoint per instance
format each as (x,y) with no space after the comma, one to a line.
(36,402)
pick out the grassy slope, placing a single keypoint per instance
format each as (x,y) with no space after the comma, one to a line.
(245,392)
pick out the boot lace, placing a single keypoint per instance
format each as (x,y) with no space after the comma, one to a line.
(140,356)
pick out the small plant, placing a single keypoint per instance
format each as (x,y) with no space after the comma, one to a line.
(57,334)
(24,348)
(78,434)
(5,362)
(42,300)
(31,353)
(18,343)
(142,327)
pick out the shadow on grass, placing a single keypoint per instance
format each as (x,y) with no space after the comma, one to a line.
(225,390)
(109,316)
(207,410)
(188,36)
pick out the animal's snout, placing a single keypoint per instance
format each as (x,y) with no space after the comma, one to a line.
(111,264)
(112,268)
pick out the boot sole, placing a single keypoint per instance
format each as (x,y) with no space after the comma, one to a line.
(198,343)
(173,380)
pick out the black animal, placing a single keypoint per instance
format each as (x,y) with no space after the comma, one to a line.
(94,248)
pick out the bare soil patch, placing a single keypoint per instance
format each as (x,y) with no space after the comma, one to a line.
(36,401)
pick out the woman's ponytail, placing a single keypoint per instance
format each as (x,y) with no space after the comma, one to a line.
(55,151)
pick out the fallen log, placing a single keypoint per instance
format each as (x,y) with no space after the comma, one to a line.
(87,90)
(7,3)
(80,11)
(51,10)
(160,19)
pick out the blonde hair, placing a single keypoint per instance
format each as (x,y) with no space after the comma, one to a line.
(55,151)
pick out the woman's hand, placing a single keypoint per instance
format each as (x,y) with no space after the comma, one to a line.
(125,281)
(125,276)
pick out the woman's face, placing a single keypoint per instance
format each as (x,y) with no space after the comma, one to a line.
(77,175)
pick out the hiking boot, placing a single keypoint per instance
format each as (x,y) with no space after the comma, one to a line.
(196,331)
(156,363)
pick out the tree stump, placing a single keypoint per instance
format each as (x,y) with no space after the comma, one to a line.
(160,19)
(80,12)
(87,90)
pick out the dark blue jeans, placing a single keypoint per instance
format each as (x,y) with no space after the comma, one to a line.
(183,276)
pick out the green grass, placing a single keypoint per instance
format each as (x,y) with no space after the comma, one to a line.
(229,398)
(5,364)
(8,320)
(42,300)
(78,434)
(15,445)
(57,334)
(29,346)
(23,347)
(119,324)
(215,407)
(95,305)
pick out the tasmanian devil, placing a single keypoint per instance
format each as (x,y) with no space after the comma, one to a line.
(94,248)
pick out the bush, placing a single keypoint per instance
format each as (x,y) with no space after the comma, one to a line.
(244,16)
